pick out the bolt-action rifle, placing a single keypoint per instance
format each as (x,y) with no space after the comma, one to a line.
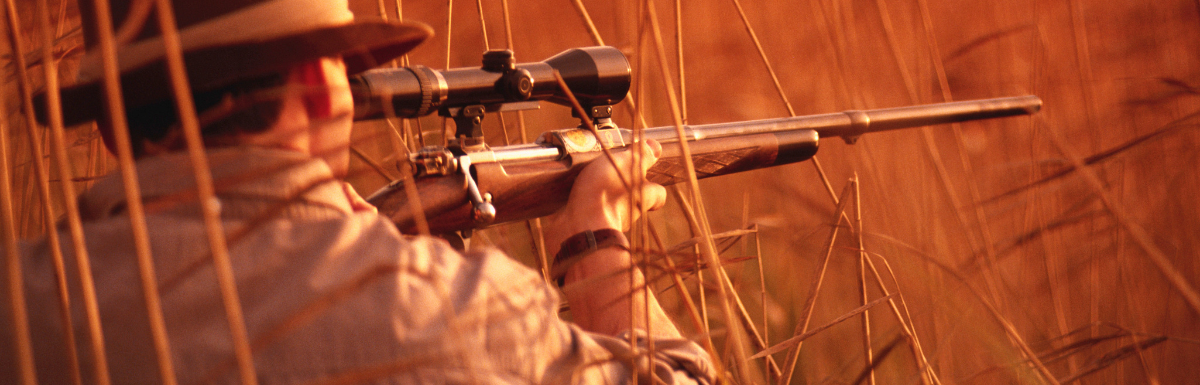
(468,185)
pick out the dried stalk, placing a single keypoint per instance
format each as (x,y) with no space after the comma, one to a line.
(810,304)
(133,196)
(74,224)
(1139,234)
(209,205)
(595,34)
(679,61)
(989,274)
(43,189)
(708,248)
(22,345)
(1009,330)
(760,342)
(763,55)
(797,340)
(862,283)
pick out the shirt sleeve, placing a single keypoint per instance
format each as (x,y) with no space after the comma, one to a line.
(565,353)
(675,361)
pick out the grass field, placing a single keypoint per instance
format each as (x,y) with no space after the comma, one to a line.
(1006,261)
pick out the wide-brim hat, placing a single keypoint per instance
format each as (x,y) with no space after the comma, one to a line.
(225,41)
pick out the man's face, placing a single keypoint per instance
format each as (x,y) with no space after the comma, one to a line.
(331,136)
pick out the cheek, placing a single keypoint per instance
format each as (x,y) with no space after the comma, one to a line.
(340,100)
(340,119)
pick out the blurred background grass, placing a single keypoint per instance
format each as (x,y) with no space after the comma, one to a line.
(965,220)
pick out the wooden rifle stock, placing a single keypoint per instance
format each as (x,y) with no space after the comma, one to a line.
(533,180)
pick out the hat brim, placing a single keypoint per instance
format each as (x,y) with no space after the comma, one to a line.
(362,45)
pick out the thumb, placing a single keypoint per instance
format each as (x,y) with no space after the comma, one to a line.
(651,150)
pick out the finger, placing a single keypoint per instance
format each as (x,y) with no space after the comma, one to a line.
(654,196)
(650,151)
(655,147)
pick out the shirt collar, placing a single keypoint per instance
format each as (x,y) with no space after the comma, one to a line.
(241,176)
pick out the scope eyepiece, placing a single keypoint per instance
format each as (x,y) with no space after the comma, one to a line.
(595,75)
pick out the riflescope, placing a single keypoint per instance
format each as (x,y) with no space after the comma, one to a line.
(596,76)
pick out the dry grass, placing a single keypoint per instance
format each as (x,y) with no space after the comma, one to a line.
(1055,248)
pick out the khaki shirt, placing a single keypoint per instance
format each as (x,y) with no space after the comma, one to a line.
(330,290)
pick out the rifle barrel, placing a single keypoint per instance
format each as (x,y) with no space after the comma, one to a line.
(851,124)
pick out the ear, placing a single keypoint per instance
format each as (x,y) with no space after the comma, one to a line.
(314,89)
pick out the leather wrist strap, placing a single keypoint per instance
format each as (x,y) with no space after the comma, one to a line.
(580,245)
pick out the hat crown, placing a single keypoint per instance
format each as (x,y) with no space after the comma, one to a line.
(225,41)
(187,14)
(226,23)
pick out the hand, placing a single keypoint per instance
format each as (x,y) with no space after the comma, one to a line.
(598,287)
(599,200)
